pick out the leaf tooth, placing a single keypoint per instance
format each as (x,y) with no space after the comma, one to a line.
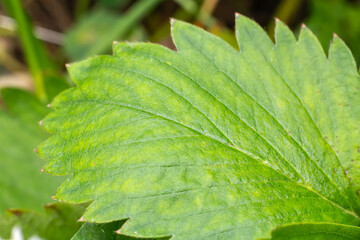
(238,15)
(250,35)
(340,55)
(172,21)
(283,35)
(310,42)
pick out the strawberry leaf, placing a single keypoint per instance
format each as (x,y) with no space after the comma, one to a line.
(209,142)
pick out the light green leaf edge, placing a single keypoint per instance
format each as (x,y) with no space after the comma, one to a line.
(244,141)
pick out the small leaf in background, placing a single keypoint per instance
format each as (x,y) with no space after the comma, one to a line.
(24,189)
(105,231)
(190,6)
(336,16)
(21,183)
(208,142)
(58,222)
(113,3)
(96,31)
(316,231)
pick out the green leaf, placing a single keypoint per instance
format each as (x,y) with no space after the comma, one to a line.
(209,142)
(96,31)
(98,231)
(25,107)
(113,3)
(59,222)
(316,231)
(105,231)
(21,183)
(190,6)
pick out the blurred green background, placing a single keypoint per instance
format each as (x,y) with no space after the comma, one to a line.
(37,39)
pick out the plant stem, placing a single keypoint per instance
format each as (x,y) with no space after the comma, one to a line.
(30,44)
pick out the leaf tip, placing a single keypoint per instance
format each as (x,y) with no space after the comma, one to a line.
(67,65)
(172,21)
(115,42)
(335,35)
(42,170)
(40,122)
(277,19)
(239,16)
(49,105)
(303,25)
(35,150)
(118,231)
(81,219)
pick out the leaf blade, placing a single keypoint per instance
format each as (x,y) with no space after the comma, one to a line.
(188,136)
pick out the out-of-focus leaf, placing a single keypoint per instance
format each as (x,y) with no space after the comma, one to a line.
(24,106)
(336,16)
(59,222)
(21,183)
(190,6)
(113,3)
(88,33)
(316,231)
(96,31)
(22,186)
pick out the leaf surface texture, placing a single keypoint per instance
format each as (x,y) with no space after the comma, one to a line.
(208,142)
